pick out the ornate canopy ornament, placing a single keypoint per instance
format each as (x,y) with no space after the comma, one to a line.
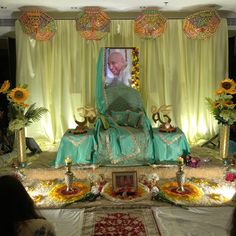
(93,23)
(38,25)
(150,24)
(201,25)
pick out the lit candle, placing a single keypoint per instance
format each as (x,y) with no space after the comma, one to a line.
(180,160)
(68,161)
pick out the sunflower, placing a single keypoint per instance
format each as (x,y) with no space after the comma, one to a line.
(5,86)
(18,95)
(229,104)
(227,86)
(217,104)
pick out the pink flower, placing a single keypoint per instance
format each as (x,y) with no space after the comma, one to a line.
(230,177)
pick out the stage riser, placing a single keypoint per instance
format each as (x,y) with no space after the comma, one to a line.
(163,172)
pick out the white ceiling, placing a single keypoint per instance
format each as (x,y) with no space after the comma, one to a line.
(9,7)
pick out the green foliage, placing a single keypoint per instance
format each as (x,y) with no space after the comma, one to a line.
(34,114)
(19,118)
(224,114)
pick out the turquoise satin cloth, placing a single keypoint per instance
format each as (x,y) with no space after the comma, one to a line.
(128,140)
(120,144)
(169,146)
(78,147)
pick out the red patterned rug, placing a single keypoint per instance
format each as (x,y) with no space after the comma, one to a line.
(114,222)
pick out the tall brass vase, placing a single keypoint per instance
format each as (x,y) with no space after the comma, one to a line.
(224,141)
(20,146)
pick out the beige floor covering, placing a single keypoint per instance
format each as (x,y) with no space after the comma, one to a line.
(40,166)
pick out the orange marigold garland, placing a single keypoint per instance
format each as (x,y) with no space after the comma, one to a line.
(191,194)
(135,81)
(59,194)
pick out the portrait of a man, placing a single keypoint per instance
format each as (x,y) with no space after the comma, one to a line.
(118,66)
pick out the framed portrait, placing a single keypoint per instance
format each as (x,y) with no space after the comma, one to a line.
(124,182)
(121,66)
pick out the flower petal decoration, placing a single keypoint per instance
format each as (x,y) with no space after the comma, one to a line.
(18,95)
(5,86)
(38,25)
(150,24)
(135,69)
(93,23)
(201,25)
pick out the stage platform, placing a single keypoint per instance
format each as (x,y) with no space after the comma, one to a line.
(40,166)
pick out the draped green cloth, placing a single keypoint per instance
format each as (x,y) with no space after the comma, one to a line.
(120,144)
(123,135)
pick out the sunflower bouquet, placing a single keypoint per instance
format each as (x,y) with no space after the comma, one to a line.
(20,114)
(223,107)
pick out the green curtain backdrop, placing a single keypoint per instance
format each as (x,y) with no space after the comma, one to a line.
(175,70)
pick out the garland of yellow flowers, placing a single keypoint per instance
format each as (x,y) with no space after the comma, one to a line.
(135,81)
(56,194)
(193,194)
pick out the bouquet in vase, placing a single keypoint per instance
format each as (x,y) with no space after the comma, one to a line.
(223,107)
(20,114)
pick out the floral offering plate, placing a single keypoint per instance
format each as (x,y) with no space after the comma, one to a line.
(141,193)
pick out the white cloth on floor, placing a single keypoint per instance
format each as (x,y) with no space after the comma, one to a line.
(194,221)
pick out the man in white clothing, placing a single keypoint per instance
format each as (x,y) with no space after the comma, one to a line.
(119,69)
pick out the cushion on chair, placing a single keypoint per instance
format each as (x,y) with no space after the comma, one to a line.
(134,119)
(120,117)
(122,98)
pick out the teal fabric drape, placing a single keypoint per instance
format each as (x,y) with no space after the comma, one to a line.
(174,70)
(120,144)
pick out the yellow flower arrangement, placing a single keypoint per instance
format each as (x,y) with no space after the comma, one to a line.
(58,195)
(223,106)
(192,194)
(135,69)
(19,117)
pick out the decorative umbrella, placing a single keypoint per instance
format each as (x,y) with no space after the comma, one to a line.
(201,25)
(38,25)
(150,24)
(93,23)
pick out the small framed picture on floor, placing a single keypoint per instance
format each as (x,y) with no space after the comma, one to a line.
(124,182)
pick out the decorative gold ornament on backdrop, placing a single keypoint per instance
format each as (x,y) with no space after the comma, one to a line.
(93,23)
(38,25)
(150,24)
(201,25)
